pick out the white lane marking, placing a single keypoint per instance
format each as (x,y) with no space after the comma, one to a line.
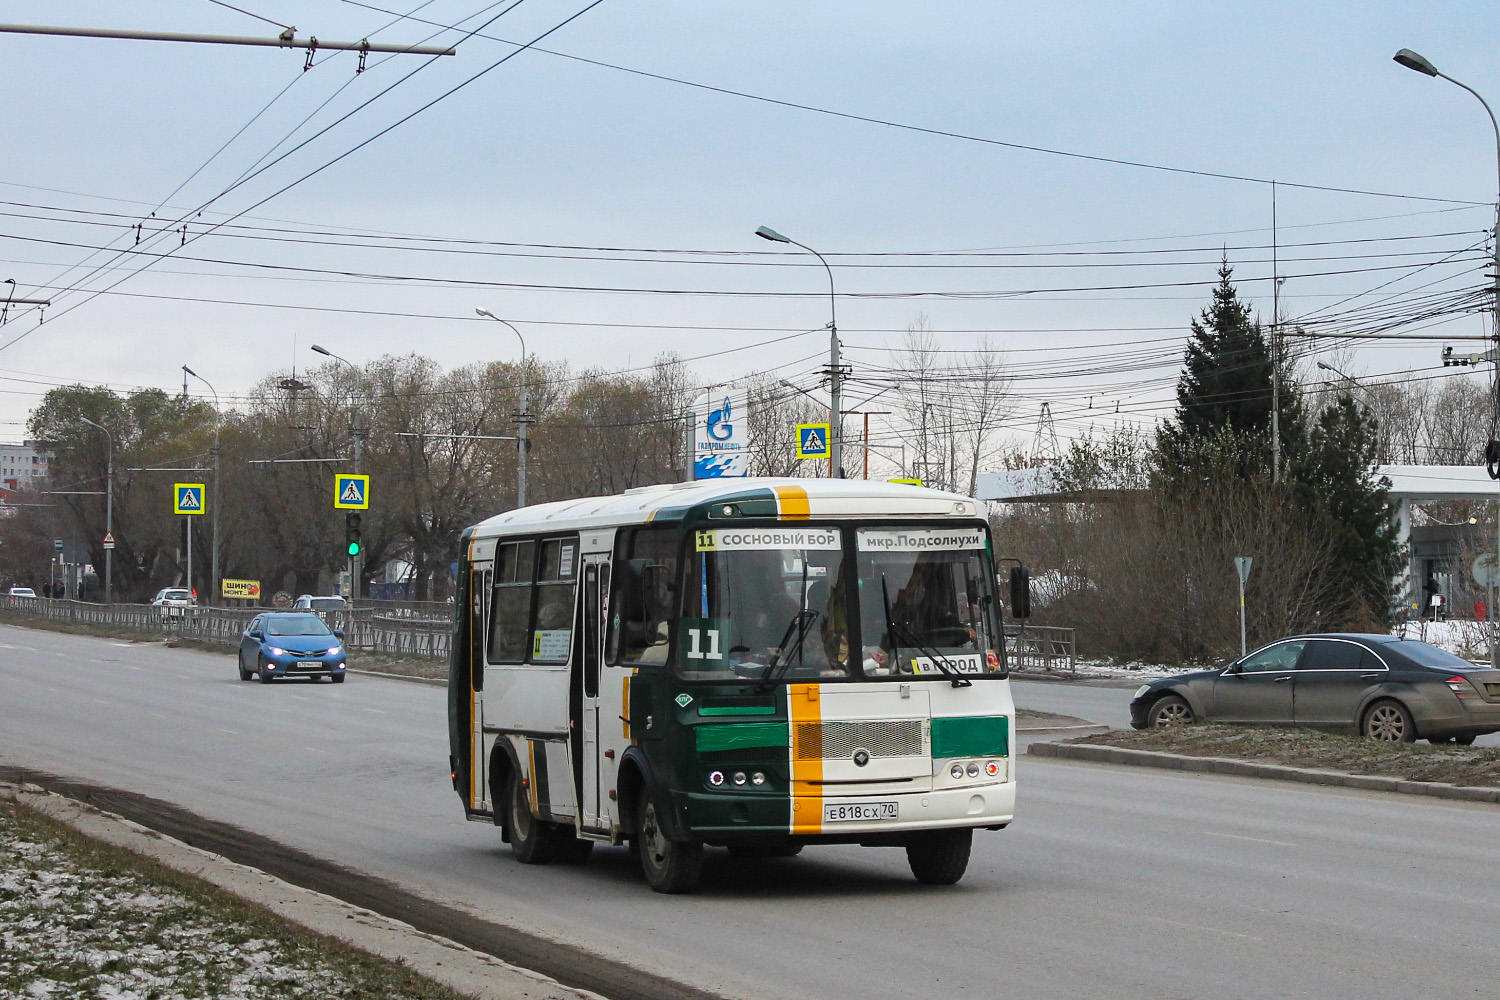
(1254,840)
(377,711)
(156,715)
(316,750)
(127,645)
(1200,927)
(231,732)
(300,697)
(100,701)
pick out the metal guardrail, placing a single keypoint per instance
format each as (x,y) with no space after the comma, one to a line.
(1045,647)
(365,629)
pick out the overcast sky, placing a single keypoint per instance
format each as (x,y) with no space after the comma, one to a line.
(1094,269)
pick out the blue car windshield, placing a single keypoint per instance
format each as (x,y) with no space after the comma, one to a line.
(310,625)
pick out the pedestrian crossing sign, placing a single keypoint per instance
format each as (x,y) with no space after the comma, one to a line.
(351,492)
(187,498)
(812,441)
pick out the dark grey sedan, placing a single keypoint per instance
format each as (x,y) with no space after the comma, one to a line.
(1382,686)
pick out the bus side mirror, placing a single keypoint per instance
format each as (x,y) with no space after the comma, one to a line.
(1020,592)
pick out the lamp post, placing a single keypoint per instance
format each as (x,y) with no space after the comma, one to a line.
(1413,61)
(213,572)
(523,412)
(109,508)
(835,369)
(358,432)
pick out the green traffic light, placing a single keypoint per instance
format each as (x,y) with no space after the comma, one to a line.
(353,548)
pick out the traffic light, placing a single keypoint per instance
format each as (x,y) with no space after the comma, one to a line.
(351,533)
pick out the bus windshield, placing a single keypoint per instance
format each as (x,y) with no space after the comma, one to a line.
(764,603)
(771,604)
(927,603)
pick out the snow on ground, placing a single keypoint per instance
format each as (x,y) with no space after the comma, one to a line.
(77,925)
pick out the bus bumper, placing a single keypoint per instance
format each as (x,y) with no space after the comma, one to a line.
(714,817)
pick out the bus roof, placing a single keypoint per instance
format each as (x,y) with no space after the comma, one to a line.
(793,499)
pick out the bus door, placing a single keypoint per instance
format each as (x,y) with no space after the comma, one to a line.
(479,590)
(589,655)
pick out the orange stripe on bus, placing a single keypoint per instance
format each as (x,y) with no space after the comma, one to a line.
(804,707)
(792,502)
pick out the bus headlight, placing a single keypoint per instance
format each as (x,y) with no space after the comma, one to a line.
(716,778)
(957,770)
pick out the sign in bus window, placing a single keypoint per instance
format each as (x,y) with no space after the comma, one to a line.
(552,635)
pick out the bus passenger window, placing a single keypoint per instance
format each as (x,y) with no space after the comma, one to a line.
(553,635)
(641,606)
(510,611)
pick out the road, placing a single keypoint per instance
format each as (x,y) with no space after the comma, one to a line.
(1113,882)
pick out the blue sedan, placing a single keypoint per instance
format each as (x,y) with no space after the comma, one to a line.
(291,645)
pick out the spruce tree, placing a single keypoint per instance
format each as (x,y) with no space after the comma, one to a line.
(1224,391)
(1336,477)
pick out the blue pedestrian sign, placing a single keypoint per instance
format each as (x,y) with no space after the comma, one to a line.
(812,441)
(351,492)
(187,498)
(57,544)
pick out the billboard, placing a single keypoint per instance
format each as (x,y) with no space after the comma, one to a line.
(244,590)
(721,435)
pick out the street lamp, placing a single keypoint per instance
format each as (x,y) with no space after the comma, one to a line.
(1413,61)
(835,371)
(523,413)
(109,508)
(355,561)
(213,573)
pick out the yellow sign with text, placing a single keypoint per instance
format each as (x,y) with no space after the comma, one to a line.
(241,590)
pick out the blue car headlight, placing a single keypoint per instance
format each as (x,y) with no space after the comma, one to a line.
(336,651)
(277,651)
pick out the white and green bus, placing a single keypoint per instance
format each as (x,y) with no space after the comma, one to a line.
(755,664)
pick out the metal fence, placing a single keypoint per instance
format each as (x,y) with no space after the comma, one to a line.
(367,629)
(1040,647)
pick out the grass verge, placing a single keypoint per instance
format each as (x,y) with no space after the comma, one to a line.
(87,919)
(1474,766)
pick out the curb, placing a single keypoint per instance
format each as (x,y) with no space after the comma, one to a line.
(1275,772)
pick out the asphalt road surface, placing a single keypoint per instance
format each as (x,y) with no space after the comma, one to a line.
(1113,882)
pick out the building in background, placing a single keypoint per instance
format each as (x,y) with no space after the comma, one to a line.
(23,466)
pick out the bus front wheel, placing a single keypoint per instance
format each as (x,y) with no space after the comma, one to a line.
(670,866)
(939,857)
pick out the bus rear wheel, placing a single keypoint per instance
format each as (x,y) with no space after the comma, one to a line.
(670,866)
(939,857)
(533,840)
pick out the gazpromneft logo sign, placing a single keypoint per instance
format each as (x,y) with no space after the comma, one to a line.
(921,540)
(765,539)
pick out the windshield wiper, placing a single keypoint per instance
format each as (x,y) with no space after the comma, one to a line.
(895,633)
(801,623)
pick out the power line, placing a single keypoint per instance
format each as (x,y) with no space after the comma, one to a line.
(944,133)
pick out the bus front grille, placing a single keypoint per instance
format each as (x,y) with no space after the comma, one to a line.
(744,755)
(886,738)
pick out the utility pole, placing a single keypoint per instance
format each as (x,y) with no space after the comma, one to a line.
(523,411)
(358,433)
(213,581)
(109,509)
(1275,349)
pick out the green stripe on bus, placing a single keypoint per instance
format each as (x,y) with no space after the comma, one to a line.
(747,734)
(739,710)
(974,736)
